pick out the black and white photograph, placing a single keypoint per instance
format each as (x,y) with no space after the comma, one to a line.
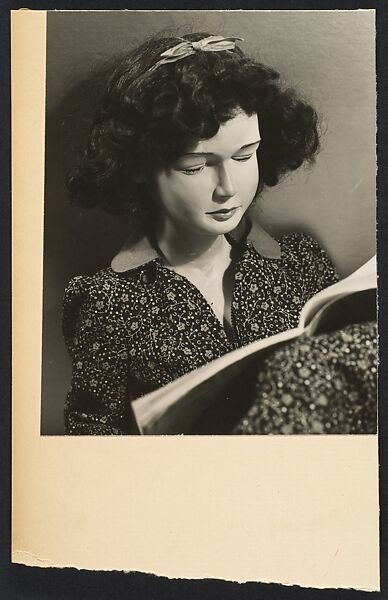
(194,295)
(209,257)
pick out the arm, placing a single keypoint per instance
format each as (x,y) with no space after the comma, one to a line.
(98,400)
(323,384)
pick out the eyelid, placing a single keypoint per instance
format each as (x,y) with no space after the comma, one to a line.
(242,157)
(249,149)
(198,168)
(192,170)
(189,167)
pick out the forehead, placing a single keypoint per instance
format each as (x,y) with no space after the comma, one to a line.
(239,131)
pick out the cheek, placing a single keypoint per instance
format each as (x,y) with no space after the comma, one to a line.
(250,181)
(181,196)
(255,170)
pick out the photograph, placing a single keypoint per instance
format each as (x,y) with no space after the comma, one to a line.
(194,278)
(209,260)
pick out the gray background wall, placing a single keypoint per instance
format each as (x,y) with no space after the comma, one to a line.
(328,56)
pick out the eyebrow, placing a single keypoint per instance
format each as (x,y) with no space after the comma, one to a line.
(212,153)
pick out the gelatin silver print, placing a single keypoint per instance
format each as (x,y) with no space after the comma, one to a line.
(209,234)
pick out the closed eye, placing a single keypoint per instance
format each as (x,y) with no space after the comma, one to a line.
(193,170)
(244,158)
(200,168)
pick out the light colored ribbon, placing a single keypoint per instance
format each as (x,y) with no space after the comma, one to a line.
(213,43)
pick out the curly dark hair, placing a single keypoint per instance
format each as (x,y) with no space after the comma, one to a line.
(148,118)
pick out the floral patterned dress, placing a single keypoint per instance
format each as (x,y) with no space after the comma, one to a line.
(132,332)
(323,384)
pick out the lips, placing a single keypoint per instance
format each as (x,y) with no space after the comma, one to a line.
(223,214)
(223,211)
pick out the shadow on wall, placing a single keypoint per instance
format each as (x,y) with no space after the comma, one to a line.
(76,241)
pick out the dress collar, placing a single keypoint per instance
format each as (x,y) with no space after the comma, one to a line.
(138,250)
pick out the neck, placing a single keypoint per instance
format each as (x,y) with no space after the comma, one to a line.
(190,249)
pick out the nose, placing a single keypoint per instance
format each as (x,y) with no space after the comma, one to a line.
(225,186)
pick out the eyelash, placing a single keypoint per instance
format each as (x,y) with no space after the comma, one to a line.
(196,170)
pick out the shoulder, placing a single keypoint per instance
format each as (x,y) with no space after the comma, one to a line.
(309,258)
(302,247)
(299,243)
(81,287)
(90,300)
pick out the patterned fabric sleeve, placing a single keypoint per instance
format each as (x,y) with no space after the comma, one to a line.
(311,262)
(97,402)
(319,271)
(323,384)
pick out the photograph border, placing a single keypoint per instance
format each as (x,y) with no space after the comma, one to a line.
(93,584)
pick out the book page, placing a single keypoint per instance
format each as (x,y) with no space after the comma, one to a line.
(363,278)
(152,406)
(179,507)
(149,408)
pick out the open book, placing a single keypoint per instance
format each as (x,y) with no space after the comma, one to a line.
(194,403)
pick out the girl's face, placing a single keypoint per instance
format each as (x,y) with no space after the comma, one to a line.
(208,189)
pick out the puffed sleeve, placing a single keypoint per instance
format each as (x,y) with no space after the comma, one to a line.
(97,402)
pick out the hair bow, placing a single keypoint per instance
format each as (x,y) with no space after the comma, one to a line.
(213,43)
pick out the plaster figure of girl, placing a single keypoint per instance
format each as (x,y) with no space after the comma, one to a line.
(190,131)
